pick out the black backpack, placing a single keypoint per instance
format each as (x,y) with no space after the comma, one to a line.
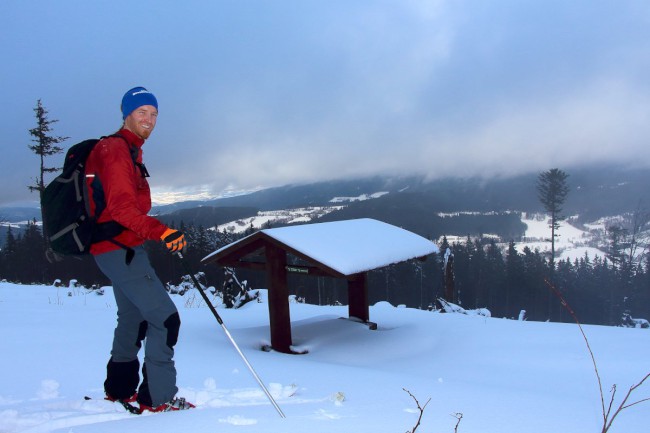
(68,226)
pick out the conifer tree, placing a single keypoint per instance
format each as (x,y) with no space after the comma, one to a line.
(515,279)
(8,253)
(32,260)
(494,276)
(552,191)
(44,145)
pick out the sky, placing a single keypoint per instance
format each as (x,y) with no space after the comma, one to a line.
(258,94)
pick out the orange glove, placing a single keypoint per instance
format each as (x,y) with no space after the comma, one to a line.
(174,240)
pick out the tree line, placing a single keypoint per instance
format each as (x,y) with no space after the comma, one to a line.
(23,259)
(486,275)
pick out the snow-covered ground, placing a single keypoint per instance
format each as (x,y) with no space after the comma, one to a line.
(503,376)
(284,216)
(361,197)
(572,243)
(161,197)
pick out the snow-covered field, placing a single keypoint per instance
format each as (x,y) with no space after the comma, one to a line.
(501,375)
(572,243)
(284,216)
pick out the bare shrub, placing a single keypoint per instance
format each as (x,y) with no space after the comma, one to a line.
(420,408)
(608,415)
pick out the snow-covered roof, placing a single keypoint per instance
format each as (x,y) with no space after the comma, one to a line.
(348,247)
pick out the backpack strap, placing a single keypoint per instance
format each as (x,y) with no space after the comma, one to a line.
(130,252)
(134,154)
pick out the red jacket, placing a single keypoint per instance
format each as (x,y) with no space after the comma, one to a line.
(110,170)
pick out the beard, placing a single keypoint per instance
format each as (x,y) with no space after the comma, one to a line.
(138,129)
(143,133)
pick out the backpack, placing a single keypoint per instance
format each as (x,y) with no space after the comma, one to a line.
(68,226)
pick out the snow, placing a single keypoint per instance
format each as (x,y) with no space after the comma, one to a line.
(503,376)
(165,196)
(362,197)
(351,246)
(539,228)
(284,216)
(16,225)
(572,243)
(579,253)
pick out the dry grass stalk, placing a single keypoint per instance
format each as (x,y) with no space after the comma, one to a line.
(608,416)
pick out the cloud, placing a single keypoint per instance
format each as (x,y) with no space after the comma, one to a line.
(268,93)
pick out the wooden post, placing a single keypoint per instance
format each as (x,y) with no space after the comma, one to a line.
(358,297)
(280,321)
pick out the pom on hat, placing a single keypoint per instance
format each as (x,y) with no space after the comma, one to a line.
(137,97)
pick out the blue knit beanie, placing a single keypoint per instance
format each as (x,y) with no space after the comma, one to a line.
(137,97)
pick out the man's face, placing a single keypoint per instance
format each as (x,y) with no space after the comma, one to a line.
(142,121)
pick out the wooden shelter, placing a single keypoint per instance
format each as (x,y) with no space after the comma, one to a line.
(342,249)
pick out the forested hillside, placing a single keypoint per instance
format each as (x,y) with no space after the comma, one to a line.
(482,219)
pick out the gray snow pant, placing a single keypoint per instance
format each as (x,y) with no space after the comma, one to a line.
(144,312)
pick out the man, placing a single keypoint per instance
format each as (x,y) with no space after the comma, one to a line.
(119,193)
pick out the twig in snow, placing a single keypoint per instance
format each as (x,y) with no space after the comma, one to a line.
(623,405)
(420,408)
(607,420)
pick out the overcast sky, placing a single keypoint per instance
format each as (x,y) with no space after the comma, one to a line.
(264,93)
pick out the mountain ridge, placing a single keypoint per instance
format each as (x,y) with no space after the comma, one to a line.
(594,193)
(413,201)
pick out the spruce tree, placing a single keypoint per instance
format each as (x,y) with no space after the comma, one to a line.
(552,190)
(9,262)
(44,145)
(515,280)
(494,276)
(33,264)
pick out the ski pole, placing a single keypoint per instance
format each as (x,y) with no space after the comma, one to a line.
(232,340)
